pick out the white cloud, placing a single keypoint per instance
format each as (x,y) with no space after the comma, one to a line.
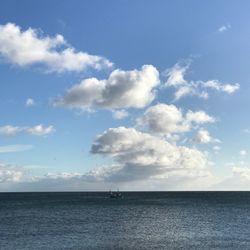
(15,148)
(216,148)
(239,180)
(176,74)
(16,178)
(168,119)
(38,130)
(183,87)
(215,84)
(28,48)
(202,136)
(242,172)
(199,117)
(247,131)
(141,162)
(224,28)
(9,174)
(123,89)
(184,91)
(30,102)
(164,119)
(141,156)
(120,114)
(243,152)
(62,175)
(9,130)
(169,168)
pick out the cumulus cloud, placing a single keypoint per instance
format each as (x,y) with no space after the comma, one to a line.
(38,130)
(142,156)
(164,119)
(199,117)
(203,137)
(123,89)
(120,114)
(29,48)
(183,87)
(15,148)
(30,102)
(168,119)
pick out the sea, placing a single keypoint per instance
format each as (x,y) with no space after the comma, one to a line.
(140,220)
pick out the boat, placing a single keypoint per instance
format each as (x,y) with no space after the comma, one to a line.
(115,195)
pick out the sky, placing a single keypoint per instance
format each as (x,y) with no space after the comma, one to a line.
(135,95)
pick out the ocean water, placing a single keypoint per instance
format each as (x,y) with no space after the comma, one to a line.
(141,220)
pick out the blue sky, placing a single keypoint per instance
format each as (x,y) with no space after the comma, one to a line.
(93,92)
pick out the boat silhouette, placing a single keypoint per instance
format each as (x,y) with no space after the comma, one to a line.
(115,194)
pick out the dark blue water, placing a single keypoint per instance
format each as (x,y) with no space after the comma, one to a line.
(142,220)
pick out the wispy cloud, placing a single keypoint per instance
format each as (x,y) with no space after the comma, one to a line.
(120,114)
(224,28)
(246,130)
(243,152)
(30,102)
(176,78)
(15,148)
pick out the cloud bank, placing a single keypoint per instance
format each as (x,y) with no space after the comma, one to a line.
(10,174)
